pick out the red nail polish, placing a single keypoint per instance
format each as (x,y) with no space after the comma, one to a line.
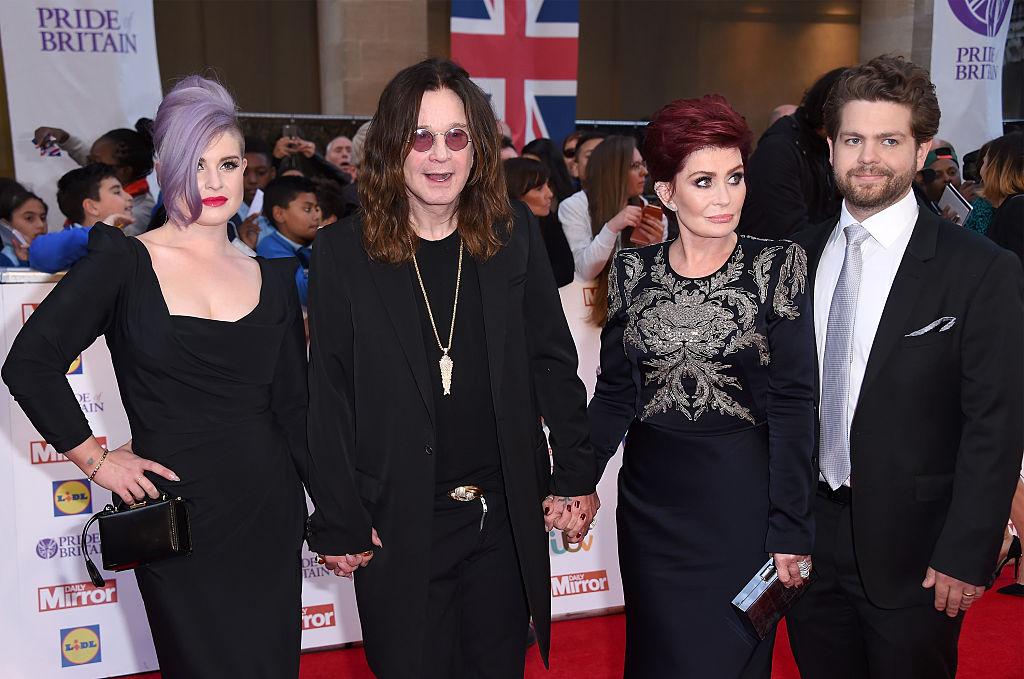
(547,510)
(579,535)
(583,517)
(577,505)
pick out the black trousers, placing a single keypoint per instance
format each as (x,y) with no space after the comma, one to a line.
(836,633)
(477,614)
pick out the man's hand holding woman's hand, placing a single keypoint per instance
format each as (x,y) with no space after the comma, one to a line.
(347,564)
(571,515)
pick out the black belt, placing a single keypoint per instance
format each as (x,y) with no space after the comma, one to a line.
(840,495)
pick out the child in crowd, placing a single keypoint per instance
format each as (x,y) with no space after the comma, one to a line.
(291,206)
(329,198)
(129,152)
(86,195)
(22,219)
(259,171)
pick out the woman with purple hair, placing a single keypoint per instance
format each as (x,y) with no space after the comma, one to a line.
(209,351)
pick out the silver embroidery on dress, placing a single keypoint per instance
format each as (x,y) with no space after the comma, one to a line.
(685,326)
(614,299)
(792,282)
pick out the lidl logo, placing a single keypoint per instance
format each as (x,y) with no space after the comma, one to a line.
(76,366)
(71,498)
(80,646)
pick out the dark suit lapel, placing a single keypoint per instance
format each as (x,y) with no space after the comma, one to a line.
(494,296)
(396,290)
(907,287)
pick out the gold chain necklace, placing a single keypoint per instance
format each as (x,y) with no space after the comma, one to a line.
(445,363)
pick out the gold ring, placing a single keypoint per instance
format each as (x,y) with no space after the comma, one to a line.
(969,595)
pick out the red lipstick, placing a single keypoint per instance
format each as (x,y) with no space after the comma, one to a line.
(215,201)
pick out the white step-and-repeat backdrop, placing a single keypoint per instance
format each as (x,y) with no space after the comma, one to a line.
(57,624)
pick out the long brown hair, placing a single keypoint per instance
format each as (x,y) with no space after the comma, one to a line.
(607,187)
(387,232)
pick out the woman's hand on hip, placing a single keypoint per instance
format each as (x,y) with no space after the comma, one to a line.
(123,472)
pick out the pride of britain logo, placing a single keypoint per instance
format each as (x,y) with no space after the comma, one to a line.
(984,17)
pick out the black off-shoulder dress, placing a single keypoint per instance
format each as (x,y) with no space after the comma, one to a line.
(222,404)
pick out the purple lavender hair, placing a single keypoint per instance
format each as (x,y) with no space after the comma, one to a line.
(190,117)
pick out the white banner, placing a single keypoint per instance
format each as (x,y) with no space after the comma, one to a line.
(585,577)
(968,42)
(85,66)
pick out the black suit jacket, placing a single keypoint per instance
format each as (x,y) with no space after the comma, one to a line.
(937,435)
(371,431)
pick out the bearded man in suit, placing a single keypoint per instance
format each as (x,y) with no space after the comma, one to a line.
(919,327)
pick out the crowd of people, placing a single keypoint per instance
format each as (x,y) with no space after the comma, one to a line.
(814,361)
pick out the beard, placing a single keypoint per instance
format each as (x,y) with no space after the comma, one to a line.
(879,196)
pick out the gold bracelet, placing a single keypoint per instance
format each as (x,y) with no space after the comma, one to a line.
(100,464)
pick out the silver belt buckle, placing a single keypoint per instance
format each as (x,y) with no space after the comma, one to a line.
(465,493)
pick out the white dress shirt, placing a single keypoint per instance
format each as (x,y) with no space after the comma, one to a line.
(589,252)
(890,232)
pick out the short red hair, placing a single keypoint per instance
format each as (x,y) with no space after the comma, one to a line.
(688,125)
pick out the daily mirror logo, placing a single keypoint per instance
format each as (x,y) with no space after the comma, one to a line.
(984,17)
(316,617)
(92,31)
(75,595)
(579,583)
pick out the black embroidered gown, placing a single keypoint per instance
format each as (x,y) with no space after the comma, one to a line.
(713,378)
(223,405)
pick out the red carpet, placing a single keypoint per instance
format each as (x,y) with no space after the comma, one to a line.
(991,647)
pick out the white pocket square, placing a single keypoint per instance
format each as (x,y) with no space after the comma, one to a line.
(943,324)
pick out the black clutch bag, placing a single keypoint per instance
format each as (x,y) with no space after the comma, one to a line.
(137,534)
(764,600)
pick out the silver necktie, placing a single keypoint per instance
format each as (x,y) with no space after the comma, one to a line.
(834,455)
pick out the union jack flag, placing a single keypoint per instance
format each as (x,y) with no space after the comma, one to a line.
(523,54)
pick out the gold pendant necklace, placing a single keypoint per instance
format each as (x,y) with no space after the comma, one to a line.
(445,363)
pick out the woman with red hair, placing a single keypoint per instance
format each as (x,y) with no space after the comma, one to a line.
(707,360)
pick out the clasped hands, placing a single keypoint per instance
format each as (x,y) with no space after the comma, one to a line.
(571,515)
(347,564)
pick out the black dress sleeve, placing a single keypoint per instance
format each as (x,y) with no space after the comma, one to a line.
(790,409)
(340,524)
(613,407)
(561,395)
(289,394)
(79,309)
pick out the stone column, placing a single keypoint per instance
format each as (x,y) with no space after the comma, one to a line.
(363,43)
(901,27)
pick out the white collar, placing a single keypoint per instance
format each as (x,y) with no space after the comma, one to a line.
(887,226)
